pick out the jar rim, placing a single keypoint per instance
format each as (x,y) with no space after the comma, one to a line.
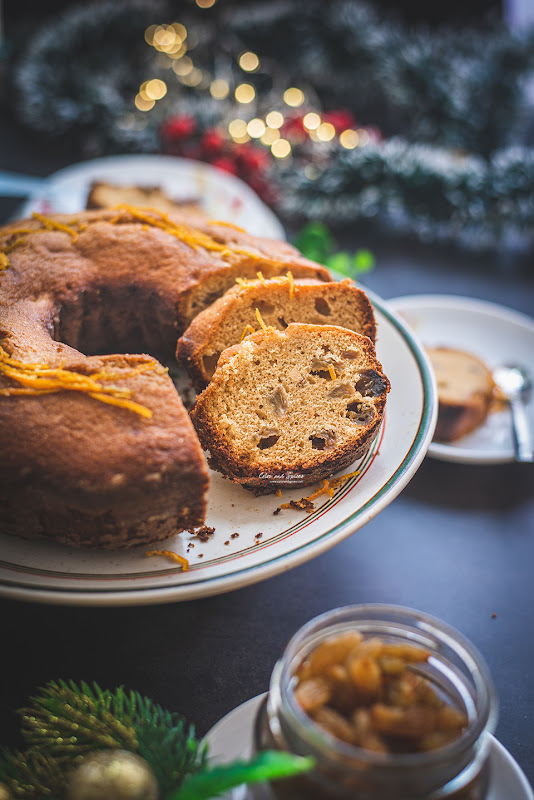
(428,628)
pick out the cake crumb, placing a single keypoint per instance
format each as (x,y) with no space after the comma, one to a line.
(301,505)
(276,511)
(494,615)
(234,536)
(227,542)
(203,533)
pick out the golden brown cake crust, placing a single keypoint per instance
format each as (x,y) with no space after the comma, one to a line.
(290,408)
(279,301)
(74,469)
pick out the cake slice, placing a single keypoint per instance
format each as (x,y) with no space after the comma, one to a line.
(109,195)
(280,301)
(289,408)
(465,392)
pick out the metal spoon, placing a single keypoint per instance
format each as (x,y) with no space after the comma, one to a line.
(515,385)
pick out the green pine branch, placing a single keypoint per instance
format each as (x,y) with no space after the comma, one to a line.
(64,722)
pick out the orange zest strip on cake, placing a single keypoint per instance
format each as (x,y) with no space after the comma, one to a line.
(260,320)
(157,219)
(193,237)
(17,236)
(38,379)
(151,217)
(248,330)
(226,225)
(291,285)
(170,554)
(53,225)
(243,282)
(326,487)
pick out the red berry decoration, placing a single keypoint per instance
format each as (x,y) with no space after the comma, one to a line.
(225,163)
(178,128)
(212,142)
(340,118)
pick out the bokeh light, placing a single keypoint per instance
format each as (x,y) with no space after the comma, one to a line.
(311,121)
(245,93)
(281,148)
(219,89)
(349,139)
(274,119)
(256,128)
(294,97)
(249,61)
(325,132)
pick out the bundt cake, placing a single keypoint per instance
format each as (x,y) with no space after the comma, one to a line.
(108,195)
(97,449)
(466,391)
(288,408)
(279,301)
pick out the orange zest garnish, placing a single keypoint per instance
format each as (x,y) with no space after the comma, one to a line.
(149,217)
(38,379)
(190,236)
(53,225)
(326,487)
(332,372)
(173,556)
(291,285)
(261,278)
(226,225)
(248,330)
(260,320)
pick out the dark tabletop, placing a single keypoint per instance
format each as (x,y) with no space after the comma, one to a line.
(458,543)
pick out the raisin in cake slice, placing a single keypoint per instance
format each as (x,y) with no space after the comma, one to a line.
(280,302)
(289,408)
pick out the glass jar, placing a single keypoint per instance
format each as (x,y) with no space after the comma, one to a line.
(458,770)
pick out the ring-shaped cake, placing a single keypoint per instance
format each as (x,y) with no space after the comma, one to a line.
(97,447)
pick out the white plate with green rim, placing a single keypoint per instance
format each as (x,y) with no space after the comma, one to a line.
(232,739)
(493,333)
(251,542)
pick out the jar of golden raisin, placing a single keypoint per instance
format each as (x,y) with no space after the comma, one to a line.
(392,704)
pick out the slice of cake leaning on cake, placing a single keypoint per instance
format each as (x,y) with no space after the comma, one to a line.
(289,408)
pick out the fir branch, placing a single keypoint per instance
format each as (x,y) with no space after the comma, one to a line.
(65,719)
(64,722)
(30,775)
(166,743)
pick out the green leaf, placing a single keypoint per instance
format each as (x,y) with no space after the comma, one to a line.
(364,261)
(340,262)
(315,242)
(266,766)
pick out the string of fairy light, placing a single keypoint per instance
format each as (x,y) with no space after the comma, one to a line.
(174,45)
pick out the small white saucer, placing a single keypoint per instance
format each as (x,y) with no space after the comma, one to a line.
(231,739)
(493,333)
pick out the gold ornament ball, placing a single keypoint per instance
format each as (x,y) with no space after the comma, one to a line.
(112,775)
(5,794)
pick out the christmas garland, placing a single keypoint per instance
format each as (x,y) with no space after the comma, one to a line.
(462,172)
(85,742)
